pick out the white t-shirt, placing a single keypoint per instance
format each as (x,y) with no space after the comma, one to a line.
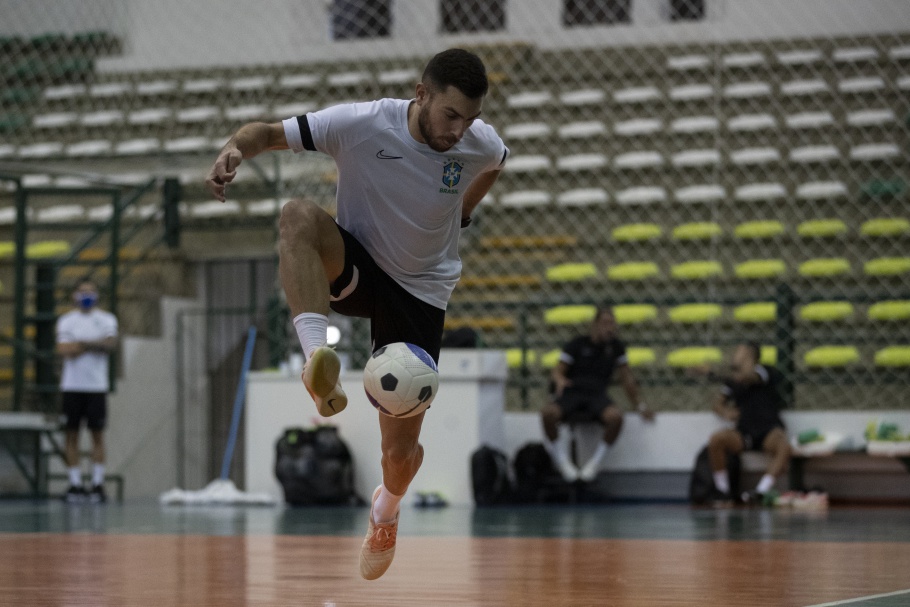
(87,372)
(398,197)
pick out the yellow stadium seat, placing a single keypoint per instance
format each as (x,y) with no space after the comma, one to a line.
(831,356)
(761,311)
(47,249)
(893,356)
(760,268)
(826,311)
(890,310)
(768,355)
(703,230)
(550,359)
(500,280)
(571,272)
(99,253)
(637,231)
(514,357)
(7,248)
(834,266)
(695,313)
(6,351)
(821,228)
(693,356)
(639,357)
(887,266)
(759,229)
(695,270)
(885,226)
(633,270)
(488,323)
(569,315)
(528,242)
(631,314)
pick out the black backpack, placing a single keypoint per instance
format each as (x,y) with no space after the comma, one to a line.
(490,477)
(314,467)
(701,484)
(535,474)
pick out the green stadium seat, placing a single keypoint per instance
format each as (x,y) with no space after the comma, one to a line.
(19,95)
(760,311)
(821,228)
(831,356)
(515,356)
(760,268)
(887,266)
(768,355)
(695,313)
(47,249)
(693,356)
(636,232)
(890,310)
(826,311)
(550,359)
(893,356)
(885,226)
(571,272)
(633,270)
(631,314)
(569,315)
(703,230)
(883,188)
(833,266)
(10,123)
(697,270)
(759,229)
(639,357)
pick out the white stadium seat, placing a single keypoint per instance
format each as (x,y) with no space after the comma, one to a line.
(641,195)
(41,150)
(526,130)
(691,158)
(54,120)
(69,181)
(855,54)
(138,146)
(800,57)
(149,115)
(528,164)
(290,110)
(809,120)
(708,192)
(101,118)
(37,180)
(214,208)
(871,117)
(760,191)
(802,88)
(582,130)
(101,212)
(695,124)
(7,150)
(688,62)
(61,213)
(198,114)
(874,151)
(187,144)
(110,89)
(896,53)
(202,85)
(638,94)
(348,79)
(740,60)
(751,122)
(864,84)
(529,99)
(638,126)
(903,83)
(250,83)
(583,196)
(583,97)
(821,190)
(66,91)
(299,81)
(638,160)
(747,90)
(581,162)
(691,92)
(755,156)
(525,198)
(402,76)
(156,87)
(89,148)
(269,206)
(246,112)
(814,153)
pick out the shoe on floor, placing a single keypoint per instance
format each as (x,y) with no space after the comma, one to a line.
(567,469)
(74,495)
(378,548)
(589,472)
(97,495)
(320,377)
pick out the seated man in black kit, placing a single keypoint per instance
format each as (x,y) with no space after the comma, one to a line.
(750,398)
(579,393)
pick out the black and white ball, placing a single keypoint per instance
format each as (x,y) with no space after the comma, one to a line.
(401,379)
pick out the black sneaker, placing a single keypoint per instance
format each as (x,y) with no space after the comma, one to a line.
(74,495)
(97,496)
(753,498)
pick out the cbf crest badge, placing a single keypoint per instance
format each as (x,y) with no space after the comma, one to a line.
(451,173)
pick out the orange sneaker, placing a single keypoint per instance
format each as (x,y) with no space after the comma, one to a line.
(320,378)
(378,548)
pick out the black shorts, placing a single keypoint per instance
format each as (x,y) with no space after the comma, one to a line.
(581,407)
(754,439)
(90,406)
(364,290)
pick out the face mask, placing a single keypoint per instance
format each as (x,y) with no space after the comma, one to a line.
(87,300)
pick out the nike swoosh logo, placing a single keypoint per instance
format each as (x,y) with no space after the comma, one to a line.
(380,154)
(331,406)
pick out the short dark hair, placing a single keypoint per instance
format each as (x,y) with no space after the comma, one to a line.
(753,349)
(459,68)
(601,311)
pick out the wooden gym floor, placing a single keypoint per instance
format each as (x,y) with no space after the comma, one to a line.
(649,555)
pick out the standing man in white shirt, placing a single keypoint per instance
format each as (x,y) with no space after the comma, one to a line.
(86,336)
(410,172)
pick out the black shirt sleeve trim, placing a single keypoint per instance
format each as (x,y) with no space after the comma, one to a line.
(306,136)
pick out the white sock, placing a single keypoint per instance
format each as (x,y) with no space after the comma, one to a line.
(558,450)
(98,474)
(765,484)
(385,508)
(75,477)
(312,329)
(599,454)
(722,481)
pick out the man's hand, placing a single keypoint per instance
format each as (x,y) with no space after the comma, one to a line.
(646,412)
(224,171)
(560,384)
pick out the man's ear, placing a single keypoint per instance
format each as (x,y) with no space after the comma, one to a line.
(422,93)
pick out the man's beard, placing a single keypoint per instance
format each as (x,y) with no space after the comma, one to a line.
(424,127)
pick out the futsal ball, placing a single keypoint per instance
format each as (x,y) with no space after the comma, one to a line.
(401,380)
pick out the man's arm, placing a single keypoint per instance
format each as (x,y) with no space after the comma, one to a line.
(476,191)
(723,408)
(560,376)
(70,349)
(249,141)
(106,345)
(630,385)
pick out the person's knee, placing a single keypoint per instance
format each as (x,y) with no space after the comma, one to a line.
(612,418)
(550,414)
(717,440)
(300,219)
(403,457)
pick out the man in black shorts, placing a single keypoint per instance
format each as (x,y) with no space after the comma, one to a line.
(85,338)
(579,393)
(410,172)
(749,397)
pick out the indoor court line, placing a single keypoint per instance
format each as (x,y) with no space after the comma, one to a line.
(860,600)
